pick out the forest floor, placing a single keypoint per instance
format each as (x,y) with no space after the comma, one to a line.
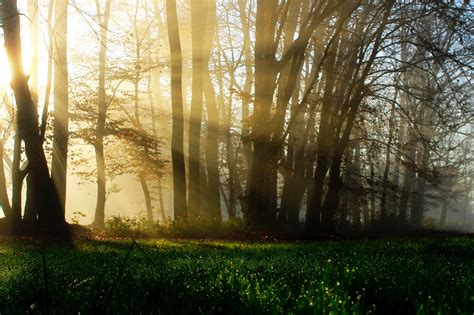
(424,276)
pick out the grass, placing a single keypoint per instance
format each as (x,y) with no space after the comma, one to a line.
(189,277)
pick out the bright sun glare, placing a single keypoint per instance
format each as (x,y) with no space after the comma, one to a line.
(4,66)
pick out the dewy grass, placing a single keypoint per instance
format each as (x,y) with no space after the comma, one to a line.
(188,277)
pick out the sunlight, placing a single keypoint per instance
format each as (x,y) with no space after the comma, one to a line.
(5,74)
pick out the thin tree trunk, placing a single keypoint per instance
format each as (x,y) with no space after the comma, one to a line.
(385,179)
(99,219)
(418,202)
(408,178)
(136,83)
(177,155)
(212,150)
(146,192)
(61,108)
(356,202)
(33,13)
(161,203)
(229,149)
(17,179)
(246,97)
(5,202)
(49,71)
(372,187)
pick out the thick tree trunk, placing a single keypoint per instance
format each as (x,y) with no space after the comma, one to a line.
(259,201)
(46,199)
(177,155)
(198,32)
(212,200)
(331,201)
(444,211)
(30,213)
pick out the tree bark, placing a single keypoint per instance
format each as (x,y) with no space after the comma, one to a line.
(5,202)
(198,32)
(177,155)
(46,200)
(99,219)
(146,192)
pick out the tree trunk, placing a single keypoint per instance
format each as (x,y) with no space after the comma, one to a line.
(198,32)
(408,179)
(418,202)
(212,151)
(30,213)
(372,187)
(33,13)
(385,179)
(46,200)
(259,202)
(356,202)
(444,210)
(177,155)
(61,115)
(5,202)
(146,192)
(99,219)
(246,97)
(17,180)
(161,203)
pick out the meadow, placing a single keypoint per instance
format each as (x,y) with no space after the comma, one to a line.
(426,276)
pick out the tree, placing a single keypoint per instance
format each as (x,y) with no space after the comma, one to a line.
(177,154)
(266,138)
(102,114)
(46,200)
(198,21)
(212,203)
(61,107)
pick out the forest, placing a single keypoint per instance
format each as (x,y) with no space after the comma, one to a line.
(241,155)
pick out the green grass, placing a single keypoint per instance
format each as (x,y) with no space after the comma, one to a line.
(189,277)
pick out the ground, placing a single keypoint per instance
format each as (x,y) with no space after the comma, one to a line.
(424,276)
